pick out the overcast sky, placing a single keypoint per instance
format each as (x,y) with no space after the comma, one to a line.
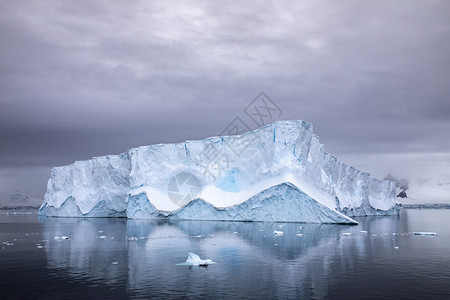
(87,78)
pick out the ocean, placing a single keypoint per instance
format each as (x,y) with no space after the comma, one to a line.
(381,258)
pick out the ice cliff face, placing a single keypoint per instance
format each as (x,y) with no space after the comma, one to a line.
(282,203)
(279,172)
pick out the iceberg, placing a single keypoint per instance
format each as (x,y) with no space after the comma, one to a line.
(19,201)
(279,172)
(194,260)
(425,233)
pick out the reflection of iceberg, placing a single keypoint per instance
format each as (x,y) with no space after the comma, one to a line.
(282,167)
(194,260)
(84,254)
(149,262)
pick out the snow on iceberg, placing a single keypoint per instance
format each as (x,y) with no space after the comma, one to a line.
(279,172)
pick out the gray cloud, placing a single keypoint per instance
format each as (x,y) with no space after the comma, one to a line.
(86,78)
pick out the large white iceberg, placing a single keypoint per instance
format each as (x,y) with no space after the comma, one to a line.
(279,172)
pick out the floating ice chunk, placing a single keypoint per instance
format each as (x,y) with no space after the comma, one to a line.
(57,238)
(133,238)
(100,231)
(363,232)
(102,237)
(425,233)
(115,263)
(65,237)
(299,234)
(346,234)
(396,248)
(194,260)
(276,232)
(40,247)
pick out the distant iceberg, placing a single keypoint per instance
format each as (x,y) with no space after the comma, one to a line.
(425,233)
(18,201)
(279,172)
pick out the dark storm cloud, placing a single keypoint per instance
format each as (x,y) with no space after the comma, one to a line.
(86,78)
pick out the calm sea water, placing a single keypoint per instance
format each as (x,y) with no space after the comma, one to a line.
(119,258)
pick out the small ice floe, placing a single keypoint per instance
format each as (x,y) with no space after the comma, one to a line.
(64,237)
(276,244)
(56,238)
(142,237)
(102,237)
(363,232)
(396,248)
(40,247)
(276,232)
(425,233)
(194,260)
(395,233)
(299,234)
(235,232)
(100,231)
(8,243)
(133,238)
(115,263)
(198,236)
(346,234)
(376,234)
